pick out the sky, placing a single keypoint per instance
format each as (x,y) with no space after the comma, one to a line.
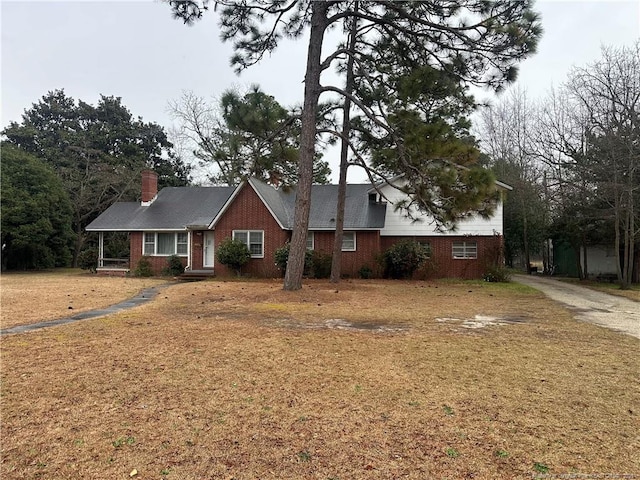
(137,51)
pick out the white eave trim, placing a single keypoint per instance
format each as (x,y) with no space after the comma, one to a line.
(153,229)
(504,185)
(392,182)
(345,229)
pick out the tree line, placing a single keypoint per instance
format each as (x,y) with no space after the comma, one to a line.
(64,164)
(574,161)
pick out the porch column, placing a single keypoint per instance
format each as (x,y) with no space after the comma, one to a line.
(189,240)
(100,249)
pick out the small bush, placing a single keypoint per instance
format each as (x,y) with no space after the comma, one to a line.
(143,269)
(365,272)
(404,258)
(320,264)
(233,254)
(174,266)
(281,256)
(497,273)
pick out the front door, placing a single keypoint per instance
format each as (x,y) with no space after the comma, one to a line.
(208,253)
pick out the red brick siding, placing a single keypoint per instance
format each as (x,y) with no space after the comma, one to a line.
(135,253)
(367,248)
(443,265)
(247,212)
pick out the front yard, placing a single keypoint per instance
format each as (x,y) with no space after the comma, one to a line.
(373,379)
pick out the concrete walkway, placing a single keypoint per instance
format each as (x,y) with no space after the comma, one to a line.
(610,311)
(142,297)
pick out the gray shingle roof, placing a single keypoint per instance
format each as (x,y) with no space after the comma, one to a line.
(359,213)
(177,208)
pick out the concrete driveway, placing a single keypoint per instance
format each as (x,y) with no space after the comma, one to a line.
(610,311)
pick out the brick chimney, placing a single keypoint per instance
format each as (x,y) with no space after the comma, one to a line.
(149,187)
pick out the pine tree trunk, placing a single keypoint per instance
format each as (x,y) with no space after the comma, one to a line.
(295,264)
(336,260)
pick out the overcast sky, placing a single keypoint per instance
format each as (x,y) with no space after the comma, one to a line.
(137,51)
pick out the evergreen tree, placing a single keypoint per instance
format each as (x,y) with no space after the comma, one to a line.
(246,135)
(97,152)
(36,213)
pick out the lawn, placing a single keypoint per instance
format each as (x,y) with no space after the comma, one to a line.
(34,297)
(372,379)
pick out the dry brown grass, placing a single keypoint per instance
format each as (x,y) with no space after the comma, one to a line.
(242,380)
(33,297)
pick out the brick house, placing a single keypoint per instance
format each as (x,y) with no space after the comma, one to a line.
(191,221)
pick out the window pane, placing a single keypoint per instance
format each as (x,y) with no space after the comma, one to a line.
(471,250)
(182,243)
(310,240)
(166,244)
(349,241)
(242,236)
(255,243)
(149,244)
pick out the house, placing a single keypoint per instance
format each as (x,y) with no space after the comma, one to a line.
(191,221)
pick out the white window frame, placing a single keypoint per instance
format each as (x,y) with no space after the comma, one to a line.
(185,243)
(151,239)
(344,235)
(311,241)
(466,250)
(248,242)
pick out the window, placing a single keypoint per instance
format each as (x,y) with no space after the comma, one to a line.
(164,243)
(310,240)
(349,242)
(182,243)
(468,250)
(149,244)
(253,239)
(427,246)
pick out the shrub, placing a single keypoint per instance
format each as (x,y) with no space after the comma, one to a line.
(143,269)
(233,254)
(281,257)
(404,258)
(174,266)
(320,264)
(365,272)
(497,273)
(88,259)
